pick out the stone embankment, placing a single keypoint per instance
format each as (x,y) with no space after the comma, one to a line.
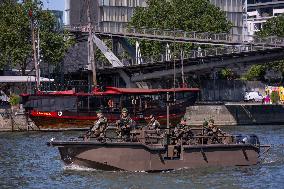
(236,114)
(14,120)
(223,114)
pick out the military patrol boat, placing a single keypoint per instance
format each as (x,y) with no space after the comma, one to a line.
(148,151)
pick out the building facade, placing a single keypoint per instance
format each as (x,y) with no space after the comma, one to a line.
(259,11)
(234,10)
(113,15)
(59,19)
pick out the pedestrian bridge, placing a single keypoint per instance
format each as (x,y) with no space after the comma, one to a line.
(198,62)
(226,50)
(180,36)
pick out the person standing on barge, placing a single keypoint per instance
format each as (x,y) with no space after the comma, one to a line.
(182,132)
(213,132)
(125,124)
(154,124)
(99,127)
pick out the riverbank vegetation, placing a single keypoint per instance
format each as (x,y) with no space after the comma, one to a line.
(273,27)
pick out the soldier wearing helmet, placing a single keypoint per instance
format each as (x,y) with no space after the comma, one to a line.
(182,131)
(125,124)
(99,127)
(213,132)
(154,124)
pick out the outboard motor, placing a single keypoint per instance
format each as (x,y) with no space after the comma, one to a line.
(247,139)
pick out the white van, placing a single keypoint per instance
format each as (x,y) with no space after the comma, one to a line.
(253,96)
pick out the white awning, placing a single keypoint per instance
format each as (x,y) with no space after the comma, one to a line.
(22,79)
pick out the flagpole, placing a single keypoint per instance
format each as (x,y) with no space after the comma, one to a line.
(34,51)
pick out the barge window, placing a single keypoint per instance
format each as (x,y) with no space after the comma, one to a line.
(82,103)
(53,103)
(98,102)
(37,103)
(45,104)
(126,102)
(179,96)
(152,101)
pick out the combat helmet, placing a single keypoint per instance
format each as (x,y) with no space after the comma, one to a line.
(205,123)
(124,110)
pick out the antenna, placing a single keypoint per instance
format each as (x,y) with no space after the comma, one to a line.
(182,71)
(174,59)
(174,97)
(35,58)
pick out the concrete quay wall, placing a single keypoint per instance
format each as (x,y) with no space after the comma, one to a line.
(224,115)
(14,120)
(236,114)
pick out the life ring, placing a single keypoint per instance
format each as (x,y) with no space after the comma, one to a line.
(59,113)
(110,103)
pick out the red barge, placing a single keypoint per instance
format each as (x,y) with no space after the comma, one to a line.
(76,110)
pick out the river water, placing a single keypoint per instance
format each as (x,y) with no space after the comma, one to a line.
(26,162)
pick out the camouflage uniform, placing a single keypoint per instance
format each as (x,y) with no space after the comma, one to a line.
(153,124)
(99,127)
(183,132)
(124,126)
(213,132)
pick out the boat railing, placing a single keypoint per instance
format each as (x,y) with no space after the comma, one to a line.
(161,137)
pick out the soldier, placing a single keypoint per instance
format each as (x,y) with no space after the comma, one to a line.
(205,130)
(213,132)
(125,124)
(182,131)
(99,127)
(153,123)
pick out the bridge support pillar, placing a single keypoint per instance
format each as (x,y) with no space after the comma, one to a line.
(127,79)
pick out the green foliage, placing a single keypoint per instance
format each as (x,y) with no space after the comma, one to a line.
(14,99)
(15,34)
(273,27)
(274,97)
(256,72)
(186,15)
(227,73)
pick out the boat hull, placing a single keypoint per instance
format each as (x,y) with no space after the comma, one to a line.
(140,157)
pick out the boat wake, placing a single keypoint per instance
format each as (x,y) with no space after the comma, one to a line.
(268,160)
(272,159)
(74,167)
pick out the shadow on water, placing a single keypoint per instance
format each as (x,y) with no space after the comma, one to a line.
(26,162)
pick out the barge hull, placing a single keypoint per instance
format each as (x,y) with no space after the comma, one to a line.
(142,158)
(62,123)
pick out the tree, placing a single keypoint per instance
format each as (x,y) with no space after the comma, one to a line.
(256,72)
(186,15)
(227,73)
(15,34)
(273,27)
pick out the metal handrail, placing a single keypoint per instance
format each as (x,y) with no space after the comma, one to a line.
(180,35)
